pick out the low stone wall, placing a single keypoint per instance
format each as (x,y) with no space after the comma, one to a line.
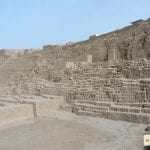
(15,112)
(41,106)
(29,108)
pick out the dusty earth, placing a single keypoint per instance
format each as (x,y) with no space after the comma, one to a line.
(65,131)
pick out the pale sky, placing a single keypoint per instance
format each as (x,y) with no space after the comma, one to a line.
(34,23)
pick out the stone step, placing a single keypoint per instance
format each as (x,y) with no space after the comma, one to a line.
(93,110)
(130,117)
(142,105)
(112,108)
(91,107)
(83,113)
(126,109)
(86,105)
(96,103)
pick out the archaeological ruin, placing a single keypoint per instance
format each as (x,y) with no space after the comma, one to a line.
(105,76)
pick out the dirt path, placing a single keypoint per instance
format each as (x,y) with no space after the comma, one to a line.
(65,131)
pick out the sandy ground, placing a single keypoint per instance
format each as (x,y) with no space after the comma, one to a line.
(65,131)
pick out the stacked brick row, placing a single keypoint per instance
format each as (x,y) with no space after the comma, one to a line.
(108,83)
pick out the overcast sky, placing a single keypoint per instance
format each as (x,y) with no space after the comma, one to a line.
(34,23)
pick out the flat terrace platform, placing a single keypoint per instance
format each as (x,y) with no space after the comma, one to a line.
(59,130)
